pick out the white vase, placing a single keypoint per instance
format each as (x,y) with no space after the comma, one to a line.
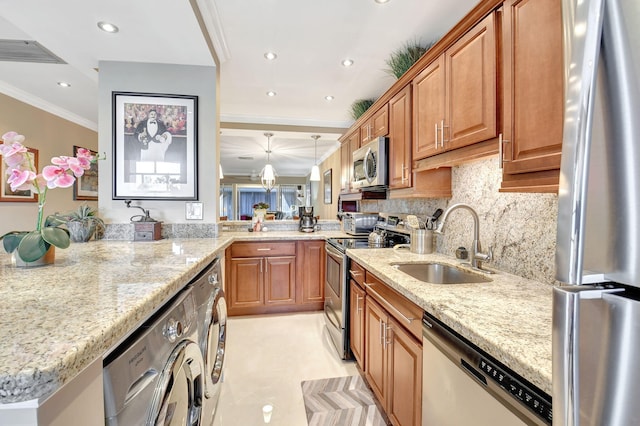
(48,259)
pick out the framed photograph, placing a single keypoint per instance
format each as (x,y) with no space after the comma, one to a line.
(21,196)
(327,187)
(86,186)
(155,146)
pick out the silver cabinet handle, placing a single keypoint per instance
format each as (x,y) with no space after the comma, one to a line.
(436,136)
(358,299)
(381,331)
(264,249)
(386,336)
(501,143)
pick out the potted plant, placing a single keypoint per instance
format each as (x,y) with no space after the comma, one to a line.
(83,223)
(36,247)
(402,59)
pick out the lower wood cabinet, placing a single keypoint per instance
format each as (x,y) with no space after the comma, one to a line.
(274,276)
(393,352)
(357,322)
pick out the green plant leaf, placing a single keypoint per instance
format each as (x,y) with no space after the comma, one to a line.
(11,240)
(32,247)
(57,236)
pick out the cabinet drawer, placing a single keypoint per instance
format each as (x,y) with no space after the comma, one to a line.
(263,249)
(356,272)
(402,309)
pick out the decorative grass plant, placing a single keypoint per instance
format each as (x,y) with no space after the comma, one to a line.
(401,60)
(360,106)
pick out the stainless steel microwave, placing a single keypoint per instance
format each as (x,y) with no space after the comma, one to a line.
(370,164)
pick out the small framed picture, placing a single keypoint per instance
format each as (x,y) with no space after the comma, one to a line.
(327,187)
(193,211)
(20,196)
(155,146)
(86,186)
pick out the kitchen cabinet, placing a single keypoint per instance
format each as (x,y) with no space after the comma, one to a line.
(400,139)
(349,144)
(376,126)
(356,312)
(454,97)
(311,267)
(531,141)
(393,352)
(261,277)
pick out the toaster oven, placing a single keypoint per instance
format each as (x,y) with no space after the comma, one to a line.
(356,223)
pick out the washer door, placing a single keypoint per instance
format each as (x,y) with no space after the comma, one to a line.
(216,337)
(177,399)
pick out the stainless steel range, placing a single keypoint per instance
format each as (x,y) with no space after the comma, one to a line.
(336,293)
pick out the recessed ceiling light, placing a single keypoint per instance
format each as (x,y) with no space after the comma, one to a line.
(270,56)
(271,93)
(108,27)
(347,62)
(63,84)
(381,1)
(329,97)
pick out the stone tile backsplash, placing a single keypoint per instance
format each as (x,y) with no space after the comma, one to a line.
(521,227)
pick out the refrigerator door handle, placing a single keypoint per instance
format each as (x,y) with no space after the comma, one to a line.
(566,350)
(582,31)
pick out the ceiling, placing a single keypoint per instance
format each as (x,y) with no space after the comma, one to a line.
(310,39)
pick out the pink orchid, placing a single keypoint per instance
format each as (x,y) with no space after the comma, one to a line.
(20,179)
(57,177)
(14,154)
(10,137)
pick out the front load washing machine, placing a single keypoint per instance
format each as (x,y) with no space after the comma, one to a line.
(156,376)
(211,310)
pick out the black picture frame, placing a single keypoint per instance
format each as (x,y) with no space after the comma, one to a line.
(327,186)
(155,161)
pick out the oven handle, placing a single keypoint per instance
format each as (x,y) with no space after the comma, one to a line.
(332,251)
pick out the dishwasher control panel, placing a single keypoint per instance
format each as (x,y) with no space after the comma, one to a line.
(531,399)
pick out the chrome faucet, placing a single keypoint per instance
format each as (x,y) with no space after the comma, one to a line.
(477,256)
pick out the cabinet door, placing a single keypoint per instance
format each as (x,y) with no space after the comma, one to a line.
(380,122)
(345,161)
(280,280)
(357,323)
(375,354)
(311,266)
(405,377)
(400,139)
(533,88)
(428,110)
(246,285)
(471,87)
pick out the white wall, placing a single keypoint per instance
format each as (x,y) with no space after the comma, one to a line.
(161,79)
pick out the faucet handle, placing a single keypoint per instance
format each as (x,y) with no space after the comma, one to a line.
(490,254)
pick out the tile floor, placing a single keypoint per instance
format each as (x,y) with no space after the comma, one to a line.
(267,358)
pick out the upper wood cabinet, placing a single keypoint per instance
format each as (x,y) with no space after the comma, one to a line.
(377,125)
(533,95)
(455,96)
(400,139)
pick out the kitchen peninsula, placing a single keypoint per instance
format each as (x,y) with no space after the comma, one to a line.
(59,320)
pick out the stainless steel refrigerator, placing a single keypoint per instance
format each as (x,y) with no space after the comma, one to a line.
(596,316)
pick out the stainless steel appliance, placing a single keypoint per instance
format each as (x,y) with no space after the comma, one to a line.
(458,374)
(354,223)
(211,322)
(336,291)
(596,324)
(370,165)
(157,375)
(308,221)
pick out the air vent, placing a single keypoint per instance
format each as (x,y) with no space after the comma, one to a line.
(26,51)
(245,158)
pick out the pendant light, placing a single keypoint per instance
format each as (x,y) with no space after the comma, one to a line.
(268,174)
(315,170)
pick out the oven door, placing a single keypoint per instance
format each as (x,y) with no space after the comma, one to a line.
(334,297)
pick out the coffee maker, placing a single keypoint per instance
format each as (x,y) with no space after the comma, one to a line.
(307,219)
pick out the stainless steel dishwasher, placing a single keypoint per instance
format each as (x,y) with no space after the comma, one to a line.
(463,385)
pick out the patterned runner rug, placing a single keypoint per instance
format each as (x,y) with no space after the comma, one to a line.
(341,401)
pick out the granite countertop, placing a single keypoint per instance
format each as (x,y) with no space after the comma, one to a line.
(59,318)
(510,317)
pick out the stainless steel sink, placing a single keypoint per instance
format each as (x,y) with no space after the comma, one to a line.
(438,273)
